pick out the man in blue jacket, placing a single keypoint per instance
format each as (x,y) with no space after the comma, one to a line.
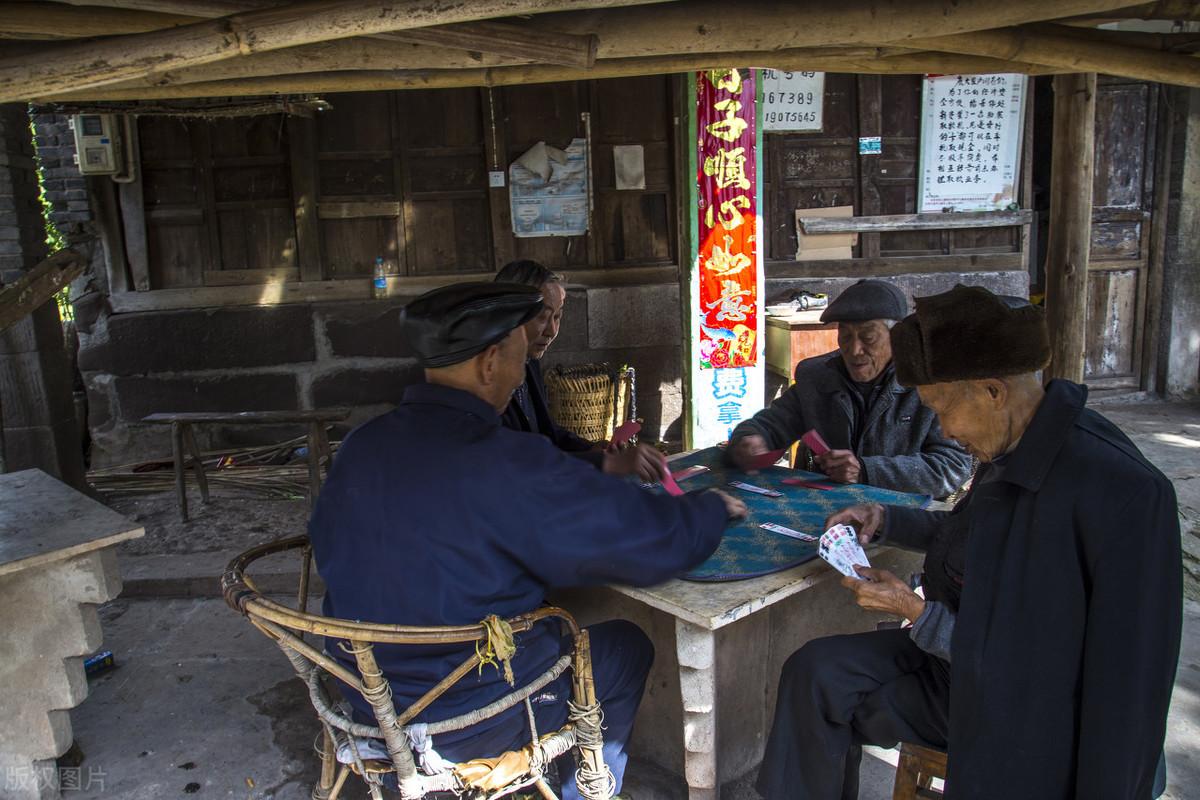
(879,432)
(1043,653)
(435,514)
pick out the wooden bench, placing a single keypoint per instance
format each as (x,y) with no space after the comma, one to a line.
(182,437)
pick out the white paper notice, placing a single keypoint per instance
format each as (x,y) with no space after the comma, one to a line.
(629,162)
(971,129)
(793,101)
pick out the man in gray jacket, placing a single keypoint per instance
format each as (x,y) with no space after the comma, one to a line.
(878,432)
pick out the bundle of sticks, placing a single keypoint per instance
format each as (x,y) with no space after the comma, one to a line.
(274,470)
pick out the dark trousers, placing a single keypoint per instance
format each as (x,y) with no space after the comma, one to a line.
(621,659)
(839,693)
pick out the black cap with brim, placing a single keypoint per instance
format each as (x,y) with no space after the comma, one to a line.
(866,300)
(454,323)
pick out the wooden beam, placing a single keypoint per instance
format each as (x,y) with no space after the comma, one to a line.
(360,289)
(38,286)
(1162,42)
(1173,10)
(347,54)
(891,266)
(1075,49)
(916,222)
(89,64)
(515,43)
(506,39)
(1069,245)
(193,8)
(28,20)
(708,26)
(866,60)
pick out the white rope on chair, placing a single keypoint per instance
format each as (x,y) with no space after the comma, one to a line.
(589,722)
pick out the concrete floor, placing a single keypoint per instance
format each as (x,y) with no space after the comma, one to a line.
(202,704)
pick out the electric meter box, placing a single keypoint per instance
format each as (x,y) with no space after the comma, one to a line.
(97,144)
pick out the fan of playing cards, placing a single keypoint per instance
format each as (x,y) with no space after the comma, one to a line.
(839,546)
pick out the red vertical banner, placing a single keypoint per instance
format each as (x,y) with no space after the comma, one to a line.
(726,174)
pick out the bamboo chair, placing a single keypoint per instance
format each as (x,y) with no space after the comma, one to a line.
(480,779)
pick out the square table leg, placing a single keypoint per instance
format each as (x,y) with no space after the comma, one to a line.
(178,455)
(189,438)
(696,649)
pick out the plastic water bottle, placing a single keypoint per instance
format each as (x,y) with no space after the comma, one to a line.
(379,282)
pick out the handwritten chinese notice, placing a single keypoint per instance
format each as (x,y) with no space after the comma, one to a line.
(793,101)
(728,258)
(971,130)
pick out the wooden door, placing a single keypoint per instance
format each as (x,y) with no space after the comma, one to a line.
(1122,216)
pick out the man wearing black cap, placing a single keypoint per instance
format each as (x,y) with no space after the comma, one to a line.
(435,514)
(878,432)
(1043,653)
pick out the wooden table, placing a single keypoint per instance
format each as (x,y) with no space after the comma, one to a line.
(182,437)
(719,650)
(792,339)
(57,563)
(720,647)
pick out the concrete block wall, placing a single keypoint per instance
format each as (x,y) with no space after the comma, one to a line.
(351,354)
(323,355)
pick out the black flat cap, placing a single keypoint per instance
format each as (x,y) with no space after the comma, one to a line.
(449,325)
(968,333)
(867,299)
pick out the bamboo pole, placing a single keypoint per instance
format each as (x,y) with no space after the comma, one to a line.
(56,21)
(709,26)
(347,54)
(517,44)
(1073,49)
(89,64)
(1071,172)
(1175,10)
(867,60)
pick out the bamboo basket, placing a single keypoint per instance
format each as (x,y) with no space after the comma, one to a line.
(588,400)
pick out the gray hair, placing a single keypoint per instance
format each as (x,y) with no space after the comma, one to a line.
(528,273)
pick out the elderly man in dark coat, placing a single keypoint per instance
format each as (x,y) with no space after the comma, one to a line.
(1043,653)
(435,514)
(878,431)
(529,409)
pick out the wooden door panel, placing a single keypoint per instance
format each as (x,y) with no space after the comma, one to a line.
(1122,214)
(1113,300)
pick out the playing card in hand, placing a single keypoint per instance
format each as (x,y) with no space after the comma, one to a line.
(840,548)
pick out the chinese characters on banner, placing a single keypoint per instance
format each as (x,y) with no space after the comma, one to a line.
(727,383)
(726,162)
(970,142)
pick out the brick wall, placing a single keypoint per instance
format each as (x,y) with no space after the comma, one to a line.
(37,414)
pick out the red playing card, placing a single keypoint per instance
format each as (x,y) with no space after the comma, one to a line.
(815,443)
(687,472)
(671,486)
(824,487)
(765,460)
(624,433)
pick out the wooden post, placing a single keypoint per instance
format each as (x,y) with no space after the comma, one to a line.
(178,453)
(1073,160)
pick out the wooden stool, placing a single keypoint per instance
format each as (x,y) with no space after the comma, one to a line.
(182,437)
(915,773)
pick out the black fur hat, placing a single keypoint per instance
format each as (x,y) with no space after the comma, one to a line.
(968,333)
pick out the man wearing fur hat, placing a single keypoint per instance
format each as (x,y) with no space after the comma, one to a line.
(1043,653)
(878,431)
